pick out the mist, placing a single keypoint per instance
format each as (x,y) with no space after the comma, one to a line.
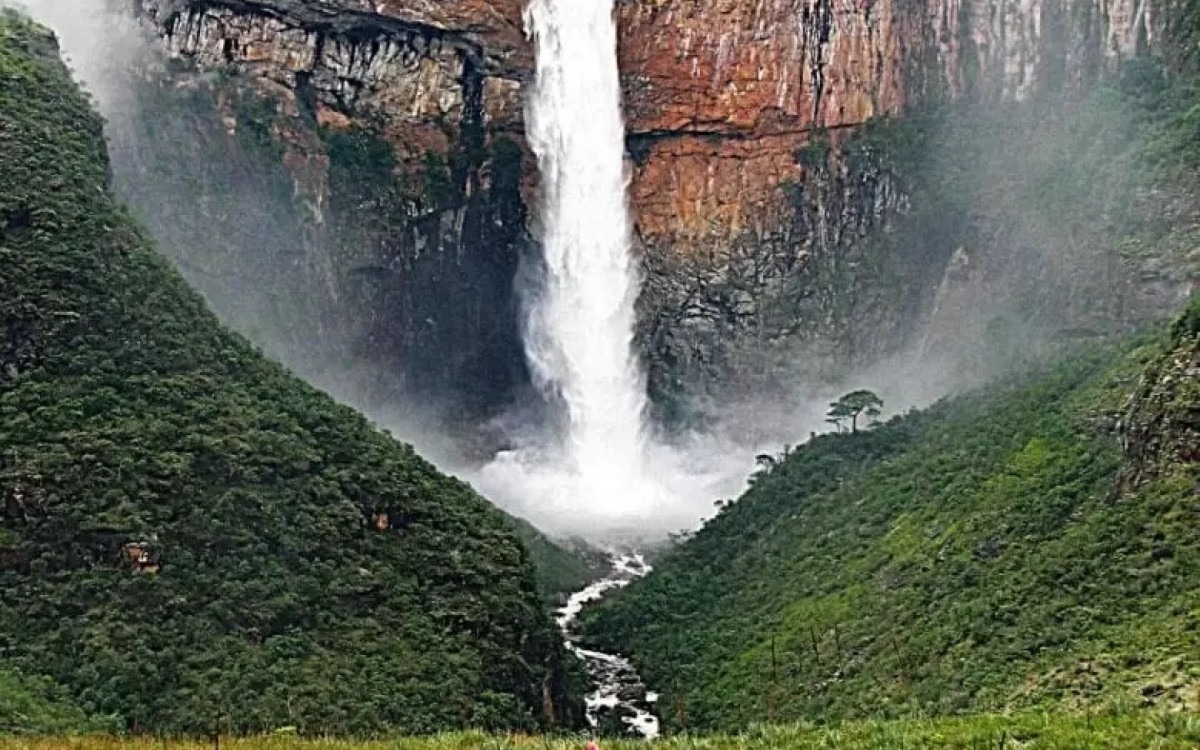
(240,253)
(118,61)
(1022,276)
(100,44)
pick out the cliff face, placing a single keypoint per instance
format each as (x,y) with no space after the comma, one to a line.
(344,182)
(430,73)
(760,233)
(1160,434)
(721,94)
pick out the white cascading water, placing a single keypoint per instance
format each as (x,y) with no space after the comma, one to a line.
(580,316)
(579,334)
(606,478)
(579,337)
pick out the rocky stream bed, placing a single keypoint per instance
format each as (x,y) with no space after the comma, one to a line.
(618,703)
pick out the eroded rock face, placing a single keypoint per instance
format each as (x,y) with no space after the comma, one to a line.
(720,96)
(411,70)
(375,150)
(1160,431)
(751,245)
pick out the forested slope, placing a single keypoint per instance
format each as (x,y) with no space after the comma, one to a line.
(191,539)
(1034,545)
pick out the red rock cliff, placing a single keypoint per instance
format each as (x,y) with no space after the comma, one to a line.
(720,95)
(721,92)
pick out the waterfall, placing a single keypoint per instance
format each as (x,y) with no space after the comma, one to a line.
(580,317)
(603,474)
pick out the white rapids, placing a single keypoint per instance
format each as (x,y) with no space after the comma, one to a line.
(619,689)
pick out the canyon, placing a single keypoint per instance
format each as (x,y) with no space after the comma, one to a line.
(553,267)
(393,135)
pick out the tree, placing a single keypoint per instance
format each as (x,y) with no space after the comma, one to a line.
(837,414)
(852,406)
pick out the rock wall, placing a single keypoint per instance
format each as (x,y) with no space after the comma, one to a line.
(423,79)
(1160,430)
(722,94)
(711,82)
(360,182)
(759,233)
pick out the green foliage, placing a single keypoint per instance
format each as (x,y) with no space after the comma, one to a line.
(562,567)
(256,116)
(364,172)
(439,182)
(191,539)
(1188,324)
(1182,20)
(971,557)
(816,152)
(359,157)
(35,706)
(1161,428)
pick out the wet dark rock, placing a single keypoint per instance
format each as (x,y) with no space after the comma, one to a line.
(618,702)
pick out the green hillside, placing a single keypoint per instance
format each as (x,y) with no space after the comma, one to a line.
(191,539)
(991,553)
(563,567)
(35,706)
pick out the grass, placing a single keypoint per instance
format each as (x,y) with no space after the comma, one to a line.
(1142,731)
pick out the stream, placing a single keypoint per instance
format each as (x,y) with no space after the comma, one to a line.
(620,698)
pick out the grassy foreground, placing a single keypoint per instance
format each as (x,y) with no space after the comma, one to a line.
(1140,731)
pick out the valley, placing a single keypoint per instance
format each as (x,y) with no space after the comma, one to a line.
(619,702)
(684,374)
(963,558)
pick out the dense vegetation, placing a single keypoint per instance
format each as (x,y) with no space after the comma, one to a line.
(562,567)
(977,556)
(36,706)
(191,539)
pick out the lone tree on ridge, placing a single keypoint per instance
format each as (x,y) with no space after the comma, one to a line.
(852,406)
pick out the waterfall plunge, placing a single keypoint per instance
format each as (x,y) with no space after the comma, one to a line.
(579,332)
(596,479)
(604,476)
(580,312)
